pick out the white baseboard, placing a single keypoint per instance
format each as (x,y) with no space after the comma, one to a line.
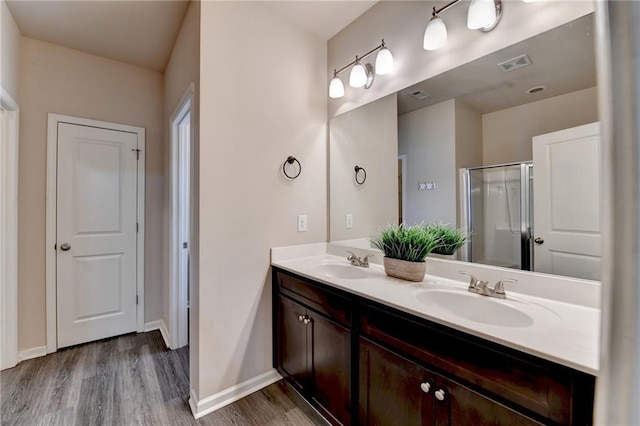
(32,353)
(212,403)
(158,325)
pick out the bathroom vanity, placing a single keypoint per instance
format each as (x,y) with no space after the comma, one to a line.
(361,357)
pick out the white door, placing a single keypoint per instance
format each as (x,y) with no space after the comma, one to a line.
(566,202)
(96,233)
(184,226)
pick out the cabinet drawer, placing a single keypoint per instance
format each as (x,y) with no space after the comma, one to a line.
(536,385)
(329,303)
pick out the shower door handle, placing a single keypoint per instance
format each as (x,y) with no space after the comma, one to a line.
(538,241)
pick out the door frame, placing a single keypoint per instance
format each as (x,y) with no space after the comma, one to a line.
(9,232)
(178,313)
(51,218)
(403,158)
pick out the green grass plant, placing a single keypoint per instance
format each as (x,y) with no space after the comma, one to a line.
(411,243)
(449,238)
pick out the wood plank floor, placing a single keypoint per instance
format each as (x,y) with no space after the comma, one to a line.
(130,380)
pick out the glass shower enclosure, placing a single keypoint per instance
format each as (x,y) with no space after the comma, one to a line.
(497,210)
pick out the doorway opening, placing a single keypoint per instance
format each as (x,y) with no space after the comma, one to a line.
(181,150)
(8,231)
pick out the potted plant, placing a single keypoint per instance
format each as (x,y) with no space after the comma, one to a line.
(405,249)
(449,239)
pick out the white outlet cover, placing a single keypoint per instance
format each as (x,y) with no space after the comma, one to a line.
(348,220)
(302,223)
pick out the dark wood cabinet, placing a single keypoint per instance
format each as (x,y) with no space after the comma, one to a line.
(314,353)
(396,391)
(293,342)
(331,367)
(393,390)
(337,348)
(461,406)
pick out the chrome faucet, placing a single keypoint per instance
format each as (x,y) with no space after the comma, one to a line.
(482,287)
(356,261)
(476,285)
(498,290)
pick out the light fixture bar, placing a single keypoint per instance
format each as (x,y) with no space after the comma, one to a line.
(445,7)
(360,58)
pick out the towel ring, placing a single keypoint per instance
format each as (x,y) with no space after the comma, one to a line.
(357,170)
(290,160)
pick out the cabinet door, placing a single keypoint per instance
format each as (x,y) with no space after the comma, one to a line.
(390,389)
(331,367)
(457,405)
(292,341)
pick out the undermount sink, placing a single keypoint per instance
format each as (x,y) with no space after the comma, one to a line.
(337,270)
(486,310)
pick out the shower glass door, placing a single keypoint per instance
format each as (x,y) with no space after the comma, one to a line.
(498,215)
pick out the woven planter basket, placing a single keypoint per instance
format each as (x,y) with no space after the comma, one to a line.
(405,270)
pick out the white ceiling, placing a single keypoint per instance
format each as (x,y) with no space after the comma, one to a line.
(143,33)
(563,60)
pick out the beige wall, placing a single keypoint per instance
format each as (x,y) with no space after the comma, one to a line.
(402,24)
(183,68)
(468,144)
(427,138)
(263,99)
(60,80)
(507,133)
(367,137)
(10,52)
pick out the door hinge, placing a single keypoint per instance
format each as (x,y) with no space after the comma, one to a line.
(185,245)
(136,299)
(137,227)
(55,246)
(137,153)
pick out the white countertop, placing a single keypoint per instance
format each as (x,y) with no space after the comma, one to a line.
(567,334)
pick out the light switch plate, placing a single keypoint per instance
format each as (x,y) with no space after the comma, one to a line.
(302,223)
(348,221)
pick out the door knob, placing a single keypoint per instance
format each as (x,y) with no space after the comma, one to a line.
(426,387)
(65,246)
(300,318)
(440,395)
(306,320)
(538,241)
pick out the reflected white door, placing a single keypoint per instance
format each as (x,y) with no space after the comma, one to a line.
(96,233)
(567,202)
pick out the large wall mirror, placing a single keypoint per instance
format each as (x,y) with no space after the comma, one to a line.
(506,147)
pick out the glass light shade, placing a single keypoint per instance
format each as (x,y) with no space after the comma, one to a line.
(358,76)
(435,36)
(384,61)
(336,88)
(482,13)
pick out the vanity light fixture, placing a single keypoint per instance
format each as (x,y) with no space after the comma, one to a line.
(435,36)
(362,74)
(336,88)
(359,74)
(482,15)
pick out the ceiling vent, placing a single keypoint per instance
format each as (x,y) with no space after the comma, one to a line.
(515,63)
(419,95)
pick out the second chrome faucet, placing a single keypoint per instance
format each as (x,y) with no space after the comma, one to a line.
(482,287)
(356,261)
